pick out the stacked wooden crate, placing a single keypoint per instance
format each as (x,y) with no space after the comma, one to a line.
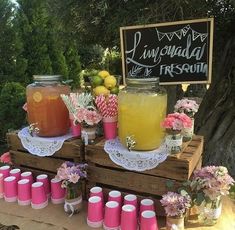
(72,150)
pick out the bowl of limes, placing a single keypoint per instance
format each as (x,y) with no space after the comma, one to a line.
(105,83)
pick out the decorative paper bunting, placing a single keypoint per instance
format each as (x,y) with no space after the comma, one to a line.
(170,36)
(160,35)
(185,30)
(195,35)
(178,33)
(203,37)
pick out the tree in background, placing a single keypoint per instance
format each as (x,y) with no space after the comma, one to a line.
(12,116)
(12,65)
(73,63)
(38,32)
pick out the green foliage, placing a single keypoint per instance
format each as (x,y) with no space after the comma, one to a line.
(12,116)
(11,64)
(39,33)
(74,65)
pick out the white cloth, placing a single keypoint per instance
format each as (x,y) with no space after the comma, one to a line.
(135,160)
(41,146)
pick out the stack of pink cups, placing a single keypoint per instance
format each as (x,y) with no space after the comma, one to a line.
(115,215)
(20,187)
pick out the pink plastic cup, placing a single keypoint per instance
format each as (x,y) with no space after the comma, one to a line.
(27,175)
(110,127)
(1,186)
(148,220)
(146,204)
(5,170)
(57,192)
(131,199)
(24,192)
(39,198)
(16,173)
(44,179)
(97,191)
(128,217)
(75,129)
(10,189)
(115,196)
(95,212)
(111,216)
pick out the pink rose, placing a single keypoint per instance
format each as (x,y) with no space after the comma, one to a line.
(6,158)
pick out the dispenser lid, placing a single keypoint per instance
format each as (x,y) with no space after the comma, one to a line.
(46,78)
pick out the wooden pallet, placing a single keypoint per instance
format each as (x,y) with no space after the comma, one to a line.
(154,182)
(72,150)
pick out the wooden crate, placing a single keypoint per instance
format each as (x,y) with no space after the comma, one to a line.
(175,169)
(72,150)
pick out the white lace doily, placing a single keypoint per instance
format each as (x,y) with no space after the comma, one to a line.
(41,146)
(135,160)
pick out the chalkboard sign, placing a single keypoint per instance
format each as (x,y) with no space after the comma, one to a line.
(177,52)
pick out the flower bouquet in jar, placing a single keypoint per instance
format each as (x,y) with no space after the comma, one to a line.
(174,124)
(87,115)
(84,113)
(71,175)
(188,107)
(108,107)
(208,185)
(175,206)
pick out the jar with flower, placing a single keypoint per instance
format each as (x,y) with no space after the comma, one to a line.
(71,175)
(175,206)
(87,115)
(174,124)
(208,185)
(188,107)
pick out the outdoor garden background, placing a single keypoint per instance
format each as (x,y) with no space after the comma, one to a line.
(73,37)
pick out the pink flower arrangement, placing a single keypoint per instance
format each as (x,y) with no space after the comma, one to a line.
(189,107)
(87,117)
(6,158)
(82,109)
(212,181)
(175,204)
(177,122)
(70,172)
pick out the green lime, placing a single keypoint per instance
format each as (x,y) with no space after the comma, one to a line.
(114,90)
(97,80)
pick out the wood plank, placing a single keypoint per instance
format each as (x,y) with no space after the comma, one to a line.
(71,148)
(41,163)
(130,180)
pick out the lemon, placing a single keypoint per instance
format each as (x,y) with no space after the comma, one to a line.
(101,90)
(103,74)
(114,90)
(96,81)
(110,82)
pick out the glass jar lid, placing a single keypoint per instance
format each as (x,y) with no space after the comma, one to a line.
(46,78)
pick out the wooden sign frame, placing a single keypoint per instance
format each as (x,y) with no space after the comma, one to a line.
(210,24)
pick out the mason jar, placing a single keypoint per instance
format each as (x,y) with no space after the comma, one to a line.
(46,110)
(142,107)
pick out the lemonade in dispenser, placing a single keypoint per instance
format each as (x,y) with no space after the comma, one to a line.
(142,107)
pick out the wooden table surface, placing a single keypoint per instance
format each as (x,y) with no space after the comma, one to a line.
(53,218)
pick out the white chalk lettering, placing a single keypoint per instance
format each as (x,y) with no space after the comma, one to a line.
(176,69)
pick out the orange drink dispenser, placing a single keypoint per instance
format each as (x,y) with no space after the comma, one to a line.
(45,108)
(141,109)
